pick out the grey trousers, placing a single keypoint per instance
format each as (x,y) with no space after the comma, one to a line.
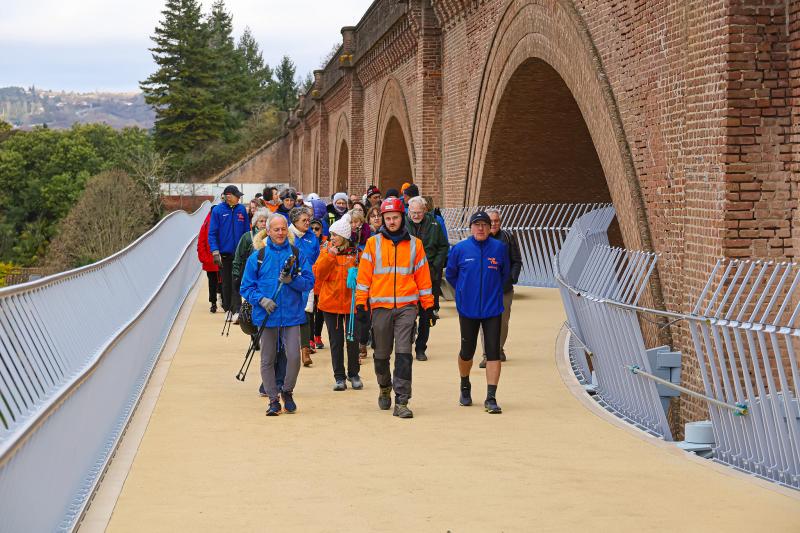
(290,338)
(394,328)
(508,297)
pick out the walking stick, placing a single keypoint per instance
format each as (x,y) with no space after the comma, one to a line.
(227,323)
(254,340)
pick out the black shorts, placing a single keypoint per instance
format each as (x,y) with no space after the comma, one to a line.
(469,337)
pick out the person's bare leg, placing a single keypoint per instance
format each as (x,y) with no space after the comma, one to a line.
(492,372)
(464,367)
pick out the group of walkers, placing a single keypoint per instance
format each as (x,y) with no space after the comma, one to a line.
(369,270)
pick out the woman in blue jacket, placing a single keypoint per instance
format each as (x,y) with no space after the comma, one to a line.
(477,268)
(285,312)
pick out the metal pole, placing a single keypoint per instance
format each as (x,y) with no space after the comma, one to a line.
(739,409)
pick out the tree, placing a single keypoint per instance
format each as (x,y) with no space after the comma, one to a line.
(230,67)
(5,130)
(183,89)
(333,52)
(124,215)
(306,83)
(285,87)
(43,173)
(259,75)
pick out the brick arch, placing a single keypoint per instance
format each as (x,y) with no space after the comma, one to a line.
(551,35)
(394,144)
(341,156)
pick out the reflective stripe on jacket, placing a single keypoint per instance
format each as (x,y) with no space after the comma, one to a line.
(394,275)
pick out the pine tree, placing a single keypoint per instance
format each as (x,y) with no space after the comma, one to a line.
(284,90)
(259,75)
(230,68)
(182,90)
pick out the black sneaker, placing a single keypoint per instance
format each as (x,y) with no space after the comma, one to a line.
(340,385)
(261,391)
(466,396)
(502,356)
(491,406)
(421,356)
(213,308)
(288,402)
(274,408)
(483,363)
(385,398)
(356,383)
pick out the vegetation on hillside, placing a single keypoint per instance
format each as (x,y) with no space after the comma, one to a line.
(43,173)
(72,196)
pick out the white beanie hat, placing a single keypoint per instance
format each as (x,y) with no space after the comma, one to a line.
(312,196)
(342,227)
(340,196)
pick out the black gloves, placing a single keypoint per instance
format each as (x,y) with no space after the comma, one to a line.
(430,315)
(362,315)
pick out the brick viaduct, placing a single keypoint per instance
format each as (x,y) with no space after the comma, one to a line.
(681,113)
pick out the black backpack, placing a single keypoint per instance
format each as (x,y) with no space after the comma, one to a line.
(246,309)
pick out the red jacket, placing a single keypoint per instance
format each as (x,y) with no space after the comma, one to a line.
(203,251)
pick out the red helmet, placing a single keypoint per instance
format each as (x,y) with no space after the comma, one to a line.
(392,205)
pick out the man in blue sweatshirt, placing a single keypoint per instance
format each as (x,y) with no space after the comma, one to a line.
(478,268)
(229,221)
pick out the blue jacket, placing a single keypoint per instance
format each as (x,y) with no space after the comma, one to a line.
(257,284)
(478,271)
(227,226)
(308,245)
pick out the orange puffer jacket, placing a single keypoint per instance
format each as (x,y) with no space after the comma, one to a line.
(330,275)
(394,276)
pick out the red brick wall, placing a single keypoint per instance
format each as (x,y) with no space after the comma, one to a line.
(540,150)
(681,112)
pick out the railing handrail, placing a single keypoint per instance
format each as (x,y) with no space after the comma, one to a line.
(674,315)
(59,276)
(21,432)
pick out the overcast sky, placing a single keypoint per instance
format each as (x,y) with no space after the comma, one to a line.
(88,45)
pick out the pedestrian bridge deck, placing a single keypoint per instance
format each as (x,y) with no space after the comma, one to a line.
(211,460)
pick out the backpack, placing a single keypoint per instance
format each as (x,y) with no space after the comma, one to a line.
(246,309)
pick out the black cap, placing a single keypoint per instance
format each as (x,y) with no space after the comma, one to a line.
(480,216)
(411,191)
(372,190)
(392,192)
(232,189)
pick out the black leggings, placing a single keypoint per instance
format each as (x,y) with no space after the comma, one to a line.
(469,337)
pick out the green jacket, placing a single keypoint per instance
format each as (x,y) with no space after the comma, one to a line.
(243,251)
(433,240)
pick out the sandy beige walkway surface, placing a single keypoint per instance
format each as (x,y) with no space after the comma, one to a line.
(211,461)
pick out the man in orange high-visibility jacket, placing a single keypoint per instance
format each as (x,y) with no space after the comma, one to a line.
(393,278)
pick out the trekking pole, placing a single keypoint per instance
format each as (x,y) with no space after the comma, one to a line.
(228,318)
(251,350)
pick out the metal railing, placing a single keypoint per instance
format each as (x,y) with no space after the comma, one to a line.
(540,230)
(744,328)
(745,334)
(591,273)
(76,350)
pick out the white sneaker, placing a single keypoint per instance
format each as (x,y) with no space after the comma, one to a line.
(235,318)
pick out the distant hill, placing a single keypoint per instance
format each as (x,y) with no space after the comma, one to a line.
(26,108)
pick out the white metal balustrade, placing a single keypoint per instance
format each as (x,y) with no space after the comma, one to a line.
(745,333)
(540,230)
(76,350)
(744,328)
